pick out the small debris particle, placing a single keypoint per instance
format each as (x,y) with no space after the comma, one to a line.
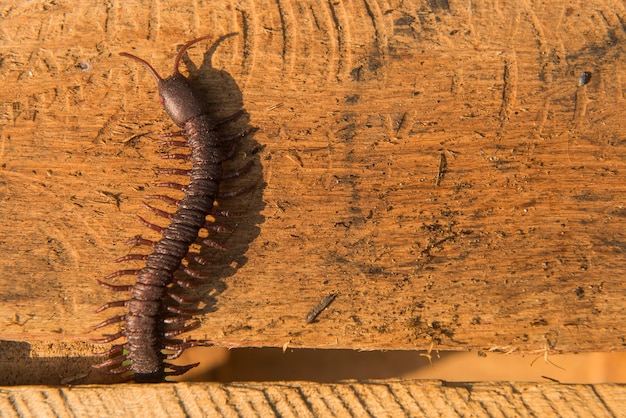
(324,303)
(584,78)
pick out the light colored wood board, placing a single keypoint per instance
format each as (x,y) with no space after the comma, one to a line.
(518,246)
(393,398)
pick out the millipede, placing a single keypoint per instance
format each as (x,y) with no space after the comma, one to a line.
(155,315)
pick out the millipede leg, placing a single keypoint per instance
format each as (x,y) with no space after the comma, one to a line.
(219,228)
(238,172)
(196,275)
(185,344)
(174,157)
(119,273)
(140,241)
(163,198)
(120,370)
(198,259)
(179,144)
(175,354)
(181,330)
(182,311)
(152,226)
(186,284)
(230,153)
(229,118)
(116,349)
(116,287)
(172,171)
(210,243)
(115,319)
(181,300)
(129,257)
(172,134)
(237,135)
(176,319)
(115,304)
(178,349)
(108,338)
(238,192)
(116,361)
(178,370)
(171,185)
(223,213)
(157,211)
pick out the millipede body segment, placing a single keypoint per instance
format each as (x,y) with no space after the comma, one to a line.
(155,314)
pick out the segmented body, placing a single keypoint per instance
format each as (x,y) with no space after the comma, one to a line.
(145,311)
(154,316)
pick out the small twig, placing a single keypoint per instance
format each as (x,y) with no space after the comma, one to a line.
(324,303)
(275,106)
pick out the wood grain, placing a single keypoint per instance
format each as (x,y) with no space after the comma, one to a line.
(390,398)
(436,164)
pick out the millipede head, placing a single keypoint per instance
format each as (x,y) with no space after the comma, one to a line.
(175,93)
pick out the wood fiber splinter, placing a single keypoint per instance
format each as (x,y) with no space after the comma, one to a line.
(324,303)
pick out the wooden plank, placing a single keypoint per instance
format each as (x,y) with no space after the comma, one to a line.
(437,165)
(306,399)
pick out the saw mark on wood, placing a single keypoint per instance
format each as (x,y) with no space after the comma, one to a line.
(290,38)
(381,37)
(509,88)
(340,25)
(402,127)
(249,41)
(581,99)
(545,54)
(441,171)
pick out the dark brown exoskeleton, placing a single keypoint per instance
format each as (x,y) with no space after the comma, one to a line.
(154,316)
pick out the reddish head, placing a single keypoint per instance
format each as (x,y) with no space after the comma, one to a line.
(175,94)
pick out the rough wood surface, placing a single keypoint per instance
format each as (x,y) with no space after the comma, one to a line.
(437,164)
(390,398)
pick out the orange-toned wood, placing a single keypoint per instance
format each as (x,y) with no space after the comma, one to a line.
(436,164)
